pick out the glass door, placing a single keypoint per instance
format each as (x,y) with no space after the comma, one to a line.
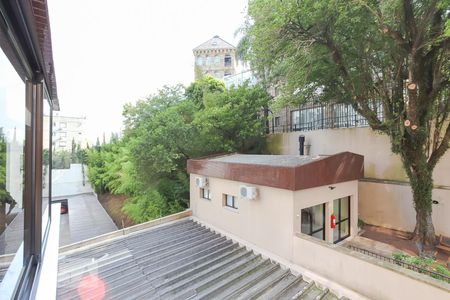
(341,210)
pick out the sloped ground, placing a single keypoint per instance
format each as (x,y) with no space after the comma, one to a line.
(113,205)
(181,260)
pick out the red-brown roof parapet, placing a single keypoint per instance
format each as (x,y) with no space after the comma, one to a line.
(282,171)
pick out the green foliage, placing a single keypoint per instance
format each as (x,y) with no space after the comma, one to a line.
(163,131)
(425,263)
(61,159)
(363,52)
(441,269)
(5,197)
(232,120)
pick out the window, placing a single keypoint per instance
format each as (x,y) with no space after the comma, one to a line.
(46,171)
(12,165)
(313,221)
(341,210)
(205,194)
(230,201)
(200,60)
(217,60)
(63,134)
(208,61)
(62,144)
(295,119)
(227,60)
(277,121)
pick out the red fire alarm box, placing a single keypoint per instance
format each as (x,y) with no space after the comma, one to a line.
(333,221)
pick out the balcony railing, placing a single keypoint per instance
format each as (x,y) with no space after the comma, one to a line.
(309,118)
(401,263)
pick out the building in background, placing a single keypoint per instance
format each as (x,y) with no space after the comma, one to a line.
(216,58)
(65,130)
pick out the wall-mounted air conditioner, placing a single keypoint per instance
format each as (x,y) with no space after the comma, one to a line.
(201,182)
(248,192)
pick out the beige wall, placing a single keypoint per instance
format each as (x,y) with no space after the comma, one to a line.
(390,205)
(379,161)
(271,220)
(368,276)
(266,221)
(383,204)
(319,195)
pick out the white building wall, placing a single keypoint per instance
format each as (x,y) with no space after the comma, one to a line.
(270,221)
(266,222)
(380,203)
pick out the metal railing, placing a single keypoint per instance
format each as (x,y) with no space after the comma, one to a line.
(402,264)
(308,118)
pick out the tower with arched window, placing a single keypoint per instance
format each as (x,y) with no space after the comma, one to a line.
(215,57)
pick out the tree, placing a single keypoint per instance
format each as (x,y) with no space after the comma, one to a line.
(5,197)
(363,53)
(203,86)
(232,121)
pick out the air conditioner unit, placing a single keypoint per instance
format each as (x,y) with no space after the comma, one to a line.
(201,182)
(248,192)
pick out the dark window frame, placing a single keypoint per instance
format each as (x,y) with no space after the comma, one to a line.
(339,220)
(311,232)
(227,60)
(19,50)
(204,195)
(233,199)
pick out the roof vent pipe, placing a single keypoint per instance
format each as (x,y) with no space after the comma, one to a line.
(301,144)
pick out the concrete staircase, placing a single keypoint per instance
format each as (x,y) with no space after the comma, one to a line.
(183,260)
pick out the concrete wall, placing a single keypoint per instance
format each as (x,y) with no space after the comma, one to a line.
(368,276)
(266,221)
(379,161)
(391,206)
(384,204)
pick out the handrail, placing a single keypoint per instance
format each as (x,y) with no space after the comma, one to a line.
(401,263)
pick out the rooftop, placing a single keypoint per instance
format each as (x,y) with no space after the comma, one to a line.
(178,260)
(289,172)
(215,43)
(268,160)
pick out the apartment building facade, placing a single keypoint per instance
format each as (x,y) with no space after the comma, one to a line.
(216,58)
(66,129)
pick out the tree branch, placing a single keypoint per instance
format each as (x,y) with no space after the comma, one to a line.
(440,151)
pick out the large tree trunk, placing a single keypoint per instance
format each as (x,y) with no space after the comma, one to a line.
(421,179)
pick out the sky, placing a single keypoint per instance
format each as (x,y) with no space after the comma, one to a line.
(111,52)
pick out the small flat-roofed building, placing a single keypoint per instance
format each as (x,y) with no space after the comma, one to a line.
(267,199)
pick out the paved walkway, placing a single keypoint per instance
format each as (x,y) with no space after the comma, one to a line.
(387,241)
(86,219)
